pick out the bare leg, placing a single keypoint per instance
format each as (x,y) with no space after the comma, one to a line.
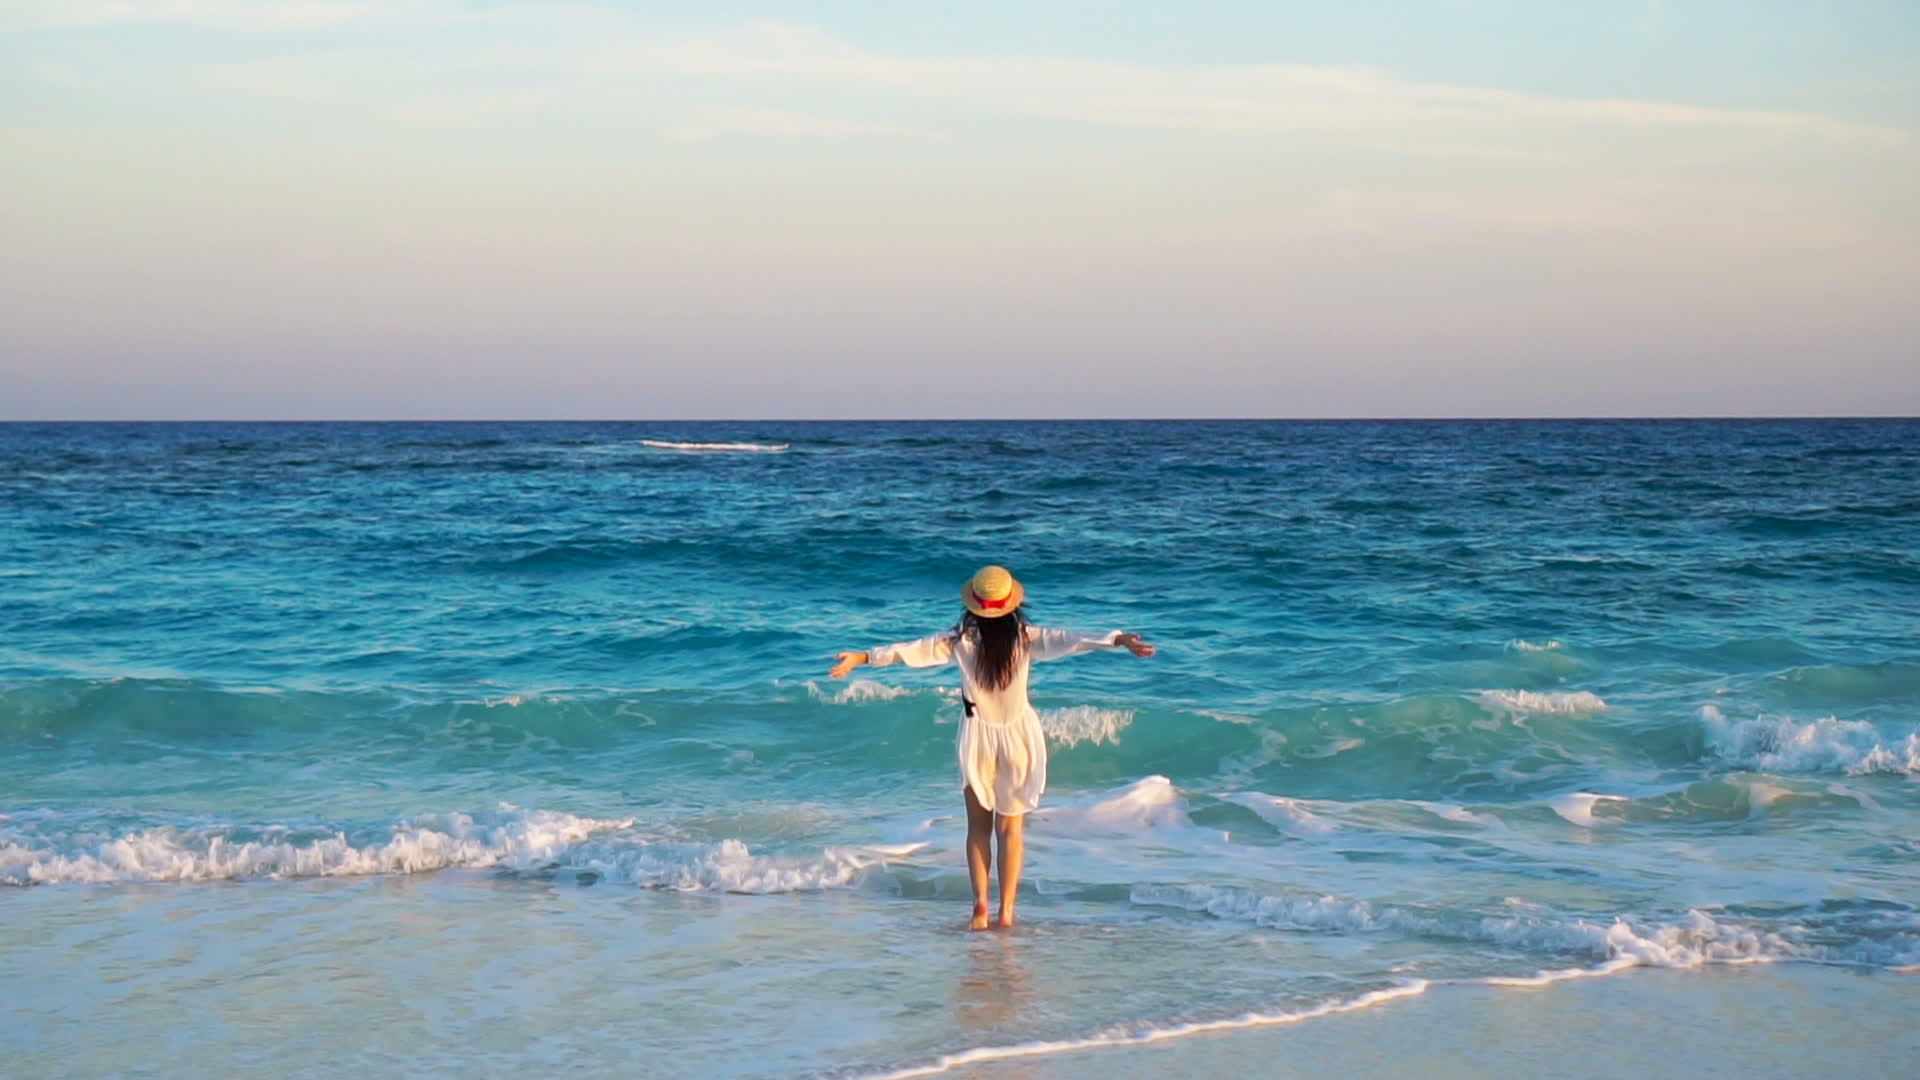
(1013,852)
(979,856)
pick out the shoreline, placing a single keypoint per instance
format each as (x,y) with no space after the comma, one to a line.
(1754,1021)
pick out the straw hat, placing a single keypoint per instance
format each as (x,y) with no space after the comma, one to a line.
(992,592)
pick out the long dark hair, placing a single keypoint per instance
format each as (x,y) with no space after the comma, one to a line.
(1001,638)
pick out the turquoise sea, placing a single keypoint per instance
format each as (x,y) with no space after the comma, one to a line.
(488,748)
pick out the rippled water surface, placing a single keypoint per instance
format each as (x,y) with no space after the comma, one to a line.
(512,742)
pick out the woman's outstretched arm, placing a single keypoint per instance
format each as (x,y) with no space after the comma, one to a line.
(847,662)
(1053,644)
(927,652)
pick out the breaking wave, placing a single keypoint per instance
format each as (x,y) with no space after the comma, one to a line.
(1085,724)
(729,866)
(1693,940)
(1783,745)
(1578,701)
(859,690)
(512,839)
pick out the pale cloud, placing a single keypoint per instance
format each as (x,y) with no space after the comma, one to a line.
(1256,99)
(227,14)
(720,123)
(1506,160)
(1210,157)
(1351,106)
(1487,158)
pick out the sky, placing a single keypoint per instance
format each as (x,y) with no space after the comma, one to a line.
(310,209)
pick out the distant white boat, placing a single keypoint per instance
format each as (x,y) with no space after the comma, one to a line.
(716,447)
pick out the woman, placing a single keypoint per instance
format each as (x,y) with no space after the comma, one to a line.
(1003,753)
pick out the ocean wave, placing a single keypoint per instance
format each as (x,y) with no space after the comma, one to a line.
(1576,701)
(1766,652)
(1829,744)
(1518,645)
(562,556)
(1897,681)
(859,690)
(729,866)
(512,839)
(1291,816)
(1441,747)
(1733,797)
(186,712)
(1364,822)
(1459,815)
(715,447)
(1577,807)
(1151,802)
(1790,526)
(1085,724)
(522,841)
(1692,941)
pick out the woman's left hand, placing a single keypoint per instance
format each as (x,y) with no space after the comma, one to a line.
(1133,644)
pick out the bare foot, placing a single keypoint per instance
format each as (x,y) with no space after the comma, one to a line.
(979,916)
(1004,922)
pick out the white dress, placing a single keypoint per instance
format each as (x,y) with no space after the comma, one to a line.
(1003,752)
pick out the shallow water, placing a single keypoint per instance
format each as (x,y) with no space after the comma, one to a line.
(511,743)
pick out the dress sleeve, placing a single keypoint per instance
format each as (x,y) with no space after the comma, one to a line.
(927,652)
(1054,644)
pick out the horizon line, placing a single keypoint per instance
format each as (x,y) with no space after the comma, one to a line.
(1518,418)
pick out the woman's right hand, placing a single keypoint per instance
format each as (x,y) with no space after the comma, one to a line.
(1133,644)
(848,661)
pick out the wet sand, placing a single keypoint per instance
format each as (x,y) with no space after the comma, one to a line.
(1754,1022)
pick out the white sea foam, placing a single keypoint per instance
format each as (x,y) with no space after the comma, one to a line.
(1301,912)
(1308,818)
(1695,940)
(1084,724)
(1781,744)
(1761,795)
(1459,814)
(1336,747)
(1577,807)
(1534,701)
(1289,815)
(520,840)
(1149,803)
(715,447)
(1148,1035)
(859,690)
(1534,646)
(730,866)
(514,839)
